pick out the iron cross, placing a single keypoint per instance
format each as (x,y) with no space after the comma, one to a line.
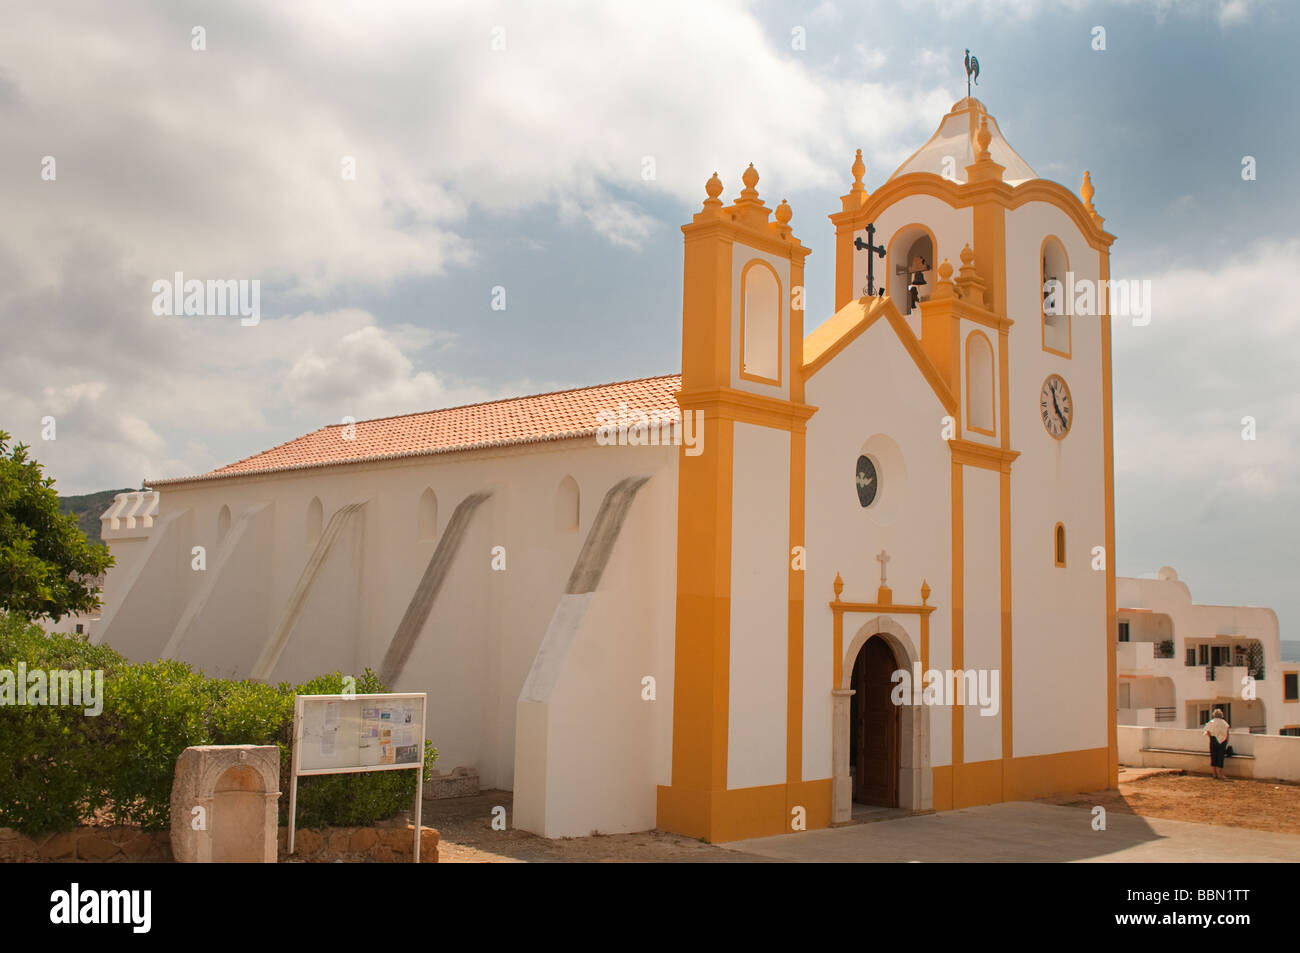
(872,250)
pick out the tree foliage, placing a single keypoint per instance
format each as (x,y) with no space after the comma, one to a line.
(48,568)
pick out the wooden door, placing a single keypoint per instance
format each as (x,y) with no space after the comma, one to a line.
(874,729)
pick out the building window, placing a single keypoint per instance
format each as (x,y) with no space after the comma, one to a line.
(1290,686)
(979,384)
(1056,307)
(1292,731)
(80,629)
(1059,544)
(1123,631)
(1191,657)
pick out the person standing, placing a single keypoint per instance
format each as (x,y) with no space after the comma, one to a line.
(1217,729)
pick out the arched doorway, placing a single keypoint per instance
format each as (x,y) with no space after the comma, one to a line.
(874,729)
(912,788)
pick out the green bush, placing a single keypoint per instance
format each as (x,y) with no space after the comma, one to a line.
(58,767)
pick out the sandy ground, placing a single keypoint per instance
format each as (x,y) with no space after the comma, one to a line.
(1259,805)
(466,834)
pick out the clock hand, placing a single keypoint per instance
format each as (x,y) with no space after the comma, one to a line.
(1060,416)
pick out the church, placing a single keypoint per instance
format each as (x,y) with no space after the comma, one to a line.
(867,565)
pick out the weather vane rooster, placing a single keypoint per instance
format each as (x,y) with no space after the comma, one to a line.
(972,71)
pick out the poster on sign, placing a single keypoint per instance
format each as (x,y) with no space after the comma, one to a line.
(345,734)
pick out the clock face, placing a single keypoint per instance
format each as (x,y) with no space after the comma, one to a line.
(1055,405)
(868,480)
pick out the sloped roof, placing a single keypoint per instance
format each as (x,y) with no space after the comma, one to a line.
(556,416)
(955,140)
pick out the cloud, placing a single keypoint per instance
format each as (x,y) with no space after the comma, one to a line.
(1216,353)
(228,162)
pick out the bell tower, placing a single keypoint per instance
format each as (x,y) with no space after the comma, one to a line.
(738,656)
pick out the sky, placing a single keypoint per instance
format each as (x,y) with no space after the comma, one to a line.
(544,156)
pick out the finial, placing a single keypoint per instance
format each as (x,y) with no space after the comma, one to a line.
(713,188)
(925,591)
(750,178)
(943,287)
(970,286)
(984,137)
(784,212)
(859,170)
(839,586)
(1086,191)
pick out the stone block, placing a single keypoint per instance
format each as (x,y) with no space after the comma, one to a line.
(236,789)
(95,844)
(363,838)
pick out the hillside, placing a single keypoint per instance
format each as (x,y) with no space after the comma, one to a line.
(89,507)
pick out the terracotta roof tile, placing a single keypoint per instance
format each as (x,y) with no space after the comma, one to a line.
(556,416)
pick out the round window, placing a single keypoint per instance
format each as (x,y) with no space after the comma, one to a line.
(868,480)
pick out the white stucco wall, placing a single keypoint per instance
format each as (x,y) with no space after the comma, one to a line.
(759,649)
(485,627)
(1059,614)
(873,389)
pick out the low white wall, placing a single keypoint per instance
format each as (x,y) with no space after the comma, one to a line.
(1265,756)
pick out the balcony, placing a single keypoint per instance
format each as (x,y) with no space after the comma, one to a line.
(1135,658)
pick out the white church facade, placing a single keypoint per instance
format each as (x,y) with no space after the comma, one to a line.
(708,633)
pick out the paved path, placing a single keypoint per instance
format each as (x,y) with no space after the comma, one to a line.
(1025,831)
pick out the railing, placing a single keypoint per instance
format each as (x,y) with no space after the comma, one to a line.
(1166,714)
(1209,673)
(1259,729)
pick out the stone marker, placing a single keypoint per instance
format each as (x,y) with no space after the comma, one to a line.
(224,804)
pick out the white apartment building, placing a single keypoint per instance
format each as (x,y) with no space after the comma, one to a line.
(1177,661)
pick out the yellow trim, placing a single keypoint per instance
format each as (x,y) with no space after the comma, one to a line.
(958,604)
(848,325)
(993,377)
(1285,673)
(849,222)
(839,607)
(972,454)
(1017,779)
(1058,545)
(781,309)
(1069,424)
(1108,471)
(741,405)
(1042,280)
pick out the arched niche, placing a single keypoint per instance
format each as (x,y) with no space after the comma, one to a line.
(567,503)
(760,323)
(315,521)
(427,515)
(980,384)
